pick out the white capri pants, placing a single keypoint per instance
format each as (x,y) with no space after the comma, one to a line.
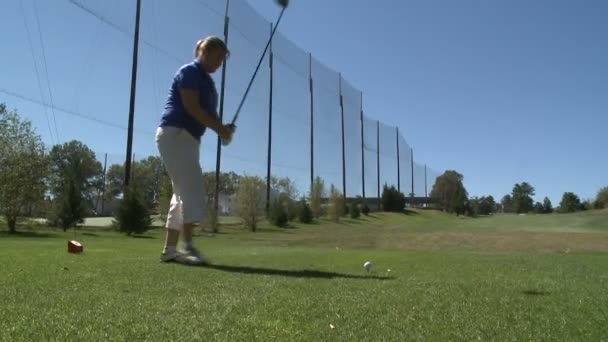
(179,151)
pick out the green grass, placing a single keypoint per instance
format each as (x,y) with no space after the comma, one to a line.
(448,280)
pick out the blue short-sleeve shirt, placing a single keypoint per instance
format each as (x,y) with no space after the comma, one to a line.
(191,76)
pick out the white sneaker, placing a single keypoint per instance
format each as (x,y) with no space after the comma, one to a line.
(192,256)
(169,256)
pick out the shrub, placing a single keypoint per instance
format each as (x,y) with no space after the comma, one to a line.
(278,214)
(392,199)
(364,209)
(248,199)
(305,214)
(317,191)
(335,208)
(345,208)
(69,209)
(601,200)
(354,211)
(290,206)
(570,203)
(165,194)
(132,215)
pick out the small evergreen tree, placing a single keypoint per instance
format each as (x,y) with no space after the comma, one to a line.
(132,215)
(305,214)
(278,214)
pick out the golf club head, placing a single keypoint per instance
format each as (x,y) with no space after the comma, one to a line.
(282,3)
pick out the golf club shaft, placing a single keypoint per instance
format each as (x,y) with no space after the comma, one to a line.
(238,111)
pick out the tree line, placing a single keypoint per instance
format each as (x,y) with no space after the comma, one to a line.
(66,183)
(450,194)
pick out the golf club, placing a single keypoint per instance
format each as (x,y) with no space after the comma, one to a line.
(283,4)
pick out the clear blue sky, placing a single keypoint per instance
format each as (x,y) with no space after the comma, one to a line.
(501,91)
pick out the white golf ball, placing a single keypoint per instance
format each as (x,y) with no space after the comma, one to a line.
(367,265)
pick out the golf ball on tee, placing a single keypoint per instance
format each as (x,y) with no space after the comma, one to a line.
(367,265)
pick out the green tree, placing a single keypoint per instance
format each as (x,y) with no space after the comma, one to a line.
(335,208)
(23,166)
(468,209)
(132,215)
(486,205)
(507,204)
(362,205)
(538,208)
(278,213)
(569,203)
(474,204)
(392,199)
(586,205)
(115,176)
(228,185)
(450,193)
(290,206)
(284,186)
(547,206)
(482,206)
(522,198)
(147,175)
(164,197)
(317,192)
(151,170)
(249,201)
(354,211)
(305,214)
(601,200)
(75,177)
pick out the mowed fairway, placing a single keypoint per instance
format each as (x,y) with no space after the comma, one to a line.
(495,278)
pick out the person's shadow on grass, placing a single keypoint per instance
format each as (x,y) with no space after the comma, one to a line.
(312,274)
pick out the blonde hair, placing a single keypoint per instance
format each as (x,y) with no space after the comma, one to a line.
(210,43)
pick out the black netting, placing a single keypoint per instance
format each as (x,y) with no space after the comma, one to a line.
(291,113)
(405,166)
(388,155)
(48,71)
(370,141)
(70,74)
(248,152)
(419,181)
(431,177)
(163,50)
(351,100)
(327,125)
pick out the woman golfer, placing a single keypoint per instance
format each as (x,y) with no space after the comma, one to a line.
(189,111)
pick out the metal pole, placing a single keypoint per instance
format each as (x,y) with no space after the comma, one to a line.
(398,162)
(426,194)
(312,123)
(103,188)
(133,168)
(269,158)
(218,159)
(132,100)
(362,150)
(412,165)
(378,157)
(343,140)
